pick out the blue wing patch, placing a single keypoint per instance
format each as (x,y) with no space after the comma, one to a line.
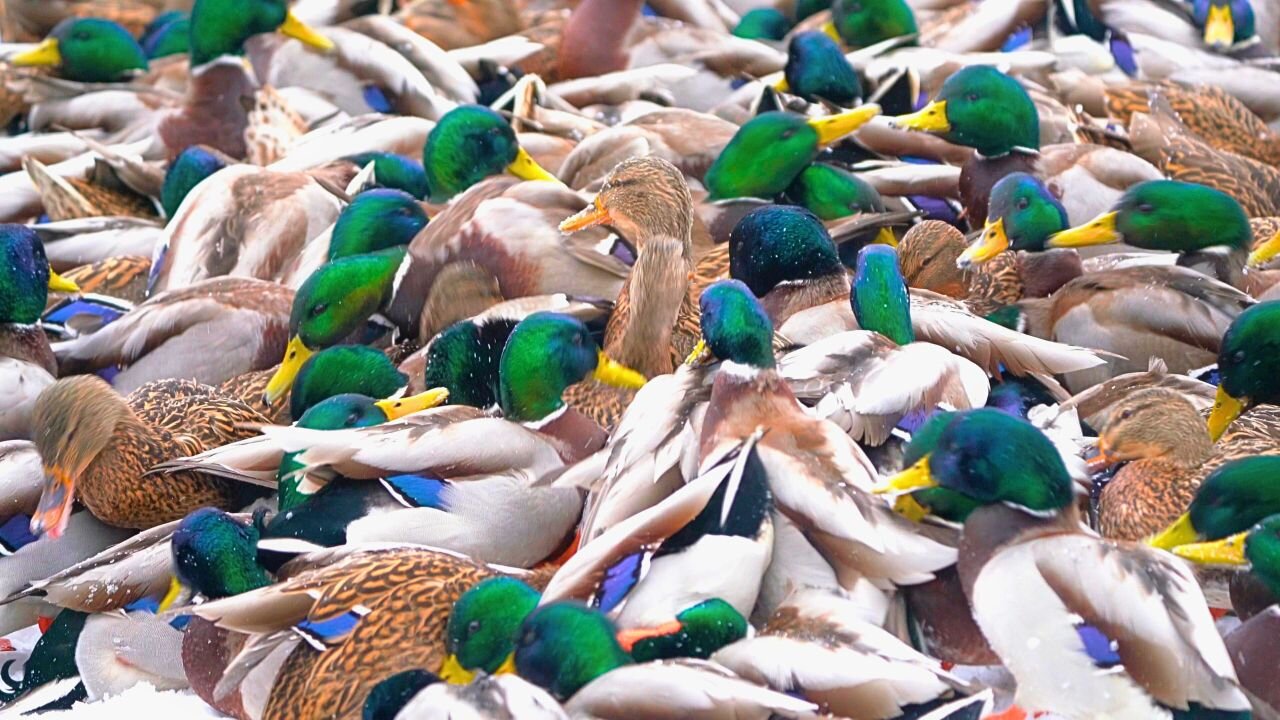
(416,490)
(15,534)
(321,634)
(1102,650)
(619,580)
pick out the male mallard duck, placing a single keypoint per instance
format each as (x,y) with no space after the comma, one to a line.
(1252,645)
(96,445)
(770,150)
(469,144)
(573,653)
(392,604)
(1163,441)
(27,364)
(211,331)
(862,24)
(87,50)
(982,108)
(1229,501)
(817,69)
(1227,24)
(1245,363)
(1026,534)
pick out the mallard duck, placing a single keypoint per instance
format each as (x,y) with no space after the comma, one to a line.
(96,444)
(211,331)
(1244,365)
(982,108)
(816,68)
(27,361)
(764,23)
(87,50)
(862,24)
(379,588)
(1229,501)
(1095,404)
(572,652)
(1252,645)
(1013,471)
(1168,454)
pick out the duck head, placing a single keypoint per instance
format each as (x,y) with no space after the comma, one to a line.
(879,295)
(546,353)
(1166,215)
(169,34)
(25,276)
(764,23)
(1229,501)
(469,144)
(818,70)
(1248,365)
(1224,22)
(481,635)
(193,165)
(697,631)
(220,27)
(642,198)
(87,50)
(376,220)
(562,646)
(734,326)
(1259,548)
(780,243)
(859,23)
(767,153)
(216,554)
(1022,214)
(395,171)
(982,108)
(832,193)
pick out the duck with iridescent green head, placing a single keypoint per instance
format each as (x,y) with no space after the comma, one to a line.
(87,50)
(1252,645)
(1227,24)
(861,23)
(471,143)
(982,108)
(1024,558)
(1248,365)
(817,70)
(220,27)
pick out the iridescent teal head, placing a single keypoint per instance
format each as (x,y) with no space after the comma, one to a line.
(481,635)
(469,144)
(168,34)
(395,171)
(25,277)
(220,27)
(340,370)
(982,108)
(697,632)
(937,501)
(388,698)
(780,243)
(818,70)
(87,50)
(992,457)
(734,325)
(463,358)
(546,353)
(866,22)
(192,165)
(342,412)
(563,646)
(832,193)
(376,220)
(763,24)
(767,153)
(217,555)
(1224,22)
(879,295)
(1022,214)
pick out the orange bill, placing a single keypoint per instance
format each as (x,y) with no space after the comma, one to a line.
(54,509)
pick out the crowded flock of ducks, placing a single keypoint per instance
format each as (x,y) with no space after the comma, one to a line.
(731,359)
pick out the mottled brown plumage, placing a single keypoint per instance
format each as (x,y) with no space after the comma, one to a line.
(104,444)
(249,388)
(1219,119)
(1168,451)
(122,276)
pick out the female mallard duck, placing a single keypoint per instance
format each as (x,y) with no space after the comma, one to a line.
(573,653)
(984,109)
(1163,441)
(87,50)
(391,602)
(96,444)
(27,364)
(1246,366)
(211,331)
(1026,534)
(1252,646)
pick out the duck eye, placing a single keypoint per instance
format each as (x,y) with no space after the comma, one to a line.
(971,97)
(1237,356)
(82,36)
(353,418)
(318,310)
(1023,203)
(473,627)
(1125,415)
(788,133)
(1145,207)
(527,638)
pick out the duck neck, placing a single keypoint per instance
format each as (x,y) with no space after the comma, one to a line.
(595,37)
(789,298)
(640,337)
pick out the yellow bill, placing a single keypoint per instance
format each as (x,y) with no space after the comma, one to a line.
(1266,252)
(294,356)
(616,374)
(781,85)
(45,54)
(833,127)
(508,666)
(931,118)
(303,33)
(1180,532)
(907,507)
(1098,231)
(57,283)
(886,237)
(696,354)
(453,673)
(993,242)
(526,168)
(171,595)
(1219,28)
(916,477)
(590,216)
(399,407)
(1225,410)
(1228,551)
(830,29)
